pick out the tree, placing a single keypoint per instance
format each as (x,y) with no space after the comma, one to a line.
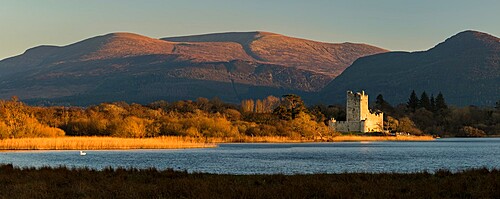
(259,106)
(131,126)
(290,106)
(203,104)
(424,101)
(379,103)
(247,105)
(433,103)
(406,125)
(440,102)
(316,111)
(308,128)
(413,101)
(470,131)
(270,103)
(383,105)
(497,105)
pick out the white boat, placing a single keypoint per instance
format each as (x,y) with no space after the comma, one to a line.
(82,153)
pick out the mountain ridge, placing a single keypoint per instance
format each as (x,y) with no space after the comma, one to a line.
(327,58)
(464,67)
(128,66)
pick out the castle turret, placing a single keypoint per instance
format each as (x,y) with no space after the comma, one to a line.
(357,106)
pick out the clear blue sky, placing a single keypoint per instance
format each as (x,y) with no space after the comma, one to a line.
(408,25)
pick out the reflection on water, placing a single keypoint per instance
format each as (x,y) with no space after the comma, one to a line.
(452,153)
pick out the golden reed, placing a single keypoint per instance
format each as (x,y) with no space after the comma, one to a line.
(101,143)
(173,142)
(340,138)
(354,138)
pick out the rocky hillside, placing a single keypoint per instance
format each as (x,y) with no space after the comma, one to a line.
(135,68)
(465,68)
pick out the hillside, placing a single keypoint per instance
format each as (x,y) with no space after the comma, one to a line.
(465,68)
(325,58)
(135,68)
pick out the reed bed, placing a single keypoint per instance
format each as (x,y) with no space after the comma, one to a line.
(175,142)
(355,138)
(340,138)
(65,182)
(257,139)
(102,143)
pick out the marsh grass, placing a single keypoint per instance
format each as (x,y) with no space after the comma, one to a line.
(175,142)
(340,138)
(257,139)
(100,143)
(355,138)
(152,183)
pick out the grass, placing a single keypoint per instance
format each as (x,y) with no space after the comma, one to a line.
(173,142)
(356,138)
(151,183)
(257,139)
(99,143)
(340,138)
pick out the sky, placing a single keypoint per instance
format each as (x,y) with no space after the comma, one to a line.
(398,25)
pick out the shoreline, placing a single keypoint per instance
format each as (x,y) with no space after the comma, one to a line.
(172,142)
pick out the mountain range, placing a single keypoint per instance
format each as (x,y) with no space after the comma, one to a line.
(465,68)
(131,67)
(239,65)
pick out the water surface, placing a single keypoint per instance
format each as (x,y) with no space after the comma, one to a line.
(451,153)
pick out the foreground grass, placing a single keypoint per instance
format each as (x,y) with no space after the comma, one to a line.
(99,143)
(152,183)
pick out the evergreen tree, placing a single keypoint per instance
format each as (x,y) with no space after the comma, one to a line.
(383,105)
(433,103)
(440,102)
(379,103)
(424,101)
(413,101)
(291,105)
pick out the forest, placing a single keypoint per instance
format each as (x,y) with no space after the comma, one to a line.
(286,116)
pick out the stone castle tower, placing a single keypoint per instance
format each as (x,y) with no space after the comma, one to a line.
(358,117)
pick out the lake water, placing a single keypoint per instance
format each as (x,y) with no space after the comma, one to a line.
(452,153)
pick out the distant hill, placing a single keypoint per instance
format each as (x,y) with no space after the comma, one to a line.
(324,58)
(465,68)
(135,68)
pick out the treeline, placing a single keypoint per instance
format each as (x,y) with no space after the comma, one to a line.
(199,118)
(286,116)
(431,115)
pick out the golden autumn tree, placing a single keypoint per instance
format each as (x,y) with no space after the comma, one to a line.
(247,105)
(17,122)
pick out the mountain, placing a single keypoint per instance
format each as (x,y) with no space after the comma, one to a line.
(324,58)
(465,68)
(134,68)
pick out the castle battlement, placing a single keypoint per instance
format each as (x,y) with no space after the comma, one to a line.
(358,116)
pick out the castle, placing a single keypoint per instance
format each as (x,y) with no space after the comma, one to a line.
(359,118)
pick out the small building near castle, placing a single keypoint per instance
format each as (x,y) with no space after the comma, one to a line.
(358,117)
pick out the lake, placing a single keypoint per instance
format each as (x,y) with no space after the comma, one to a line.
(269,158)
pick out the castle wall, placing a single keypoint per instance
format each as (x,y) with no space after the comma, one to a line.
(374,123)
(345,126)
